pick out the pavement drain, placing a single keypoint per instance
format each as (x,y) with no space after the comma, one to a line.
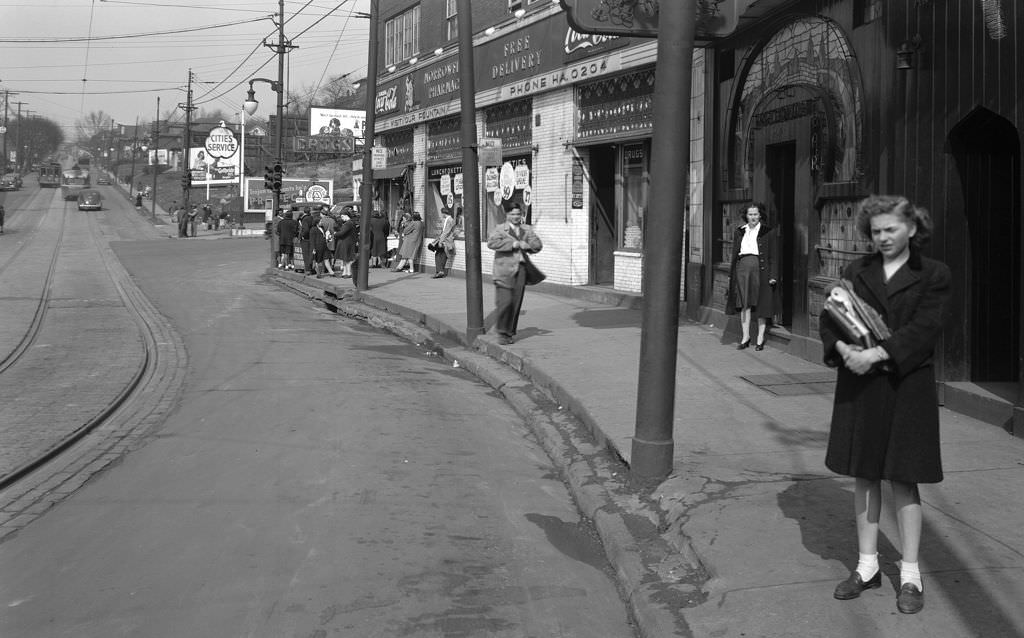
(795,383)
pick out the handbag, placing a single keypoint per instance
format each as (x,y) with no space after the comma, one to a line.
(432,247)
(534,275)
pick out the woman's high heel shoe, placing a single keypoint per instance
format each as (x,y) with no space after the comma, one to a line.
(743,345)
(759,347)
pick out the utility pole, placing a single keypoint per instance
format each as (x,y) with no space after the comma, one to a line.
(653,445)
(17,140)
(282,47)
(470,176)
(156,155)
(135,143)
(362,275)
(186,178)
(7,97)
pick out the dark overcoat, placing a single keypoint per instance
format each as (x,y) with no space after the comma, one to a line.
(885,424)
(345,241)
(318,242)
(768,270)
(380,228)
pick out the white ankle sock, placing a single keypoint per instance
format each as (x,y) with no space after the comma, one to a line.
(867,566)
(910,573)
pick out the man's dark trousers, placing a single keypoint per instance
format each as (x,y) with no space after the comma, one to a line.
(307,255)
(440,260)
(509,301)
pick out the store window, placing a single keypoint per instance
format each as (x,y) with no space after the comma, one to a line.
(444,189)
(402,36)
(635,191)
(512,181)
(504,186)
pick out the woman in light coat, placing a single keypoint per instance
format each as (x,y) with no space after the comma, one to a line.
(412,237)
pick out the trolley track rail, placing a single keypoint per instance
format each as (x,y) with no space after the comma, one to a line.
(120,419)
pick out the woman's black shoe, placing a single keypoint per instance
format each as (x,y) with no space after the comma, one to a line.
(743,345)
(759,347)
(853,586)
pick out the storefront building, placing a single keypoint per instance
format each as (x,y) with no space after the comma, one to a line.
(574,117)
(822,103)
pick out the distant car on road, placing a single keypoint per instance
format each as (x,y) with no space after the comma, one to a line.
(90,200)
(103,179)
(10,182)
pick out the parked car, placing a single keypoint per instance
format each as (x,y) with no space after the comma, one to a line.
(89,199)
(103,180)
(10,182)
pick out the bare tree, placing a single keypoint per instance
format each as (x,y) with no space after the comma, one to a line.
(92,125)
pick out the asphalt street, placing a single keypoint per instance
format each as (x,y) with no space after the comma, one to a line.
(315,477)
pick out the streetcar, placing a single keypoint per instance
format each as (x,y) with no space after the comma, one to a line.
(73,181)
(49,175)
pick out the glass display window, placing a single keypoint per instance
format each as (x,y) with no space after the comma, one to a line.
(503,186)
(635,192)
(444,188)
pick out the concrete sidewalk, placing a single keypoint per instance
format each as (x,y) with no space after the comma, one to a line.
(750,496)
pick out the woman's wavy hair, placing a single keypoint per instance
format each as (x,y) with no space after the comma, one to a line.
(761,208)
(875,205)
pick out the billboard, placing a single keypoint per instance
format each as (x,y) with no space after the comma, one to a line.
(156,156)
(336,122)
(293,191)
(219,161)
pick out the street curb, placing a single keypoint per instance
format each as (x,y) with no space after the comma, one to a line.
(645,561)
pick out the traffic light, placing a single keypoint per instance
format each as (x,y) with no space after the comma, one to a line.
(186,180)
(268,178)
(278,177)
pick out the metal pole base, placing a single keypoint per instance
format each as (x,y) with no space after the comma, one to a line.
(651,459)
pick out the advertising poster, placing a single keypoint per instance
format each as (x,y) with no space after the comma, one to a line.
(293,191)
(219,161)
(337,122)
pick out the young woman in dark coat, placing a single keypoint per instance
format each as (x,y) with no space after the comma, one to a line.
(885,420)
(753,274)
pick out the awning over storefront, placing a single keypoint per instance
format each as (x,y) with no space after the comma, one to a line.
(391,172)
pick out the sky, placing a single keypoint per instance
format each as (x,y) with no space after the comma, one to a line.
(130,52)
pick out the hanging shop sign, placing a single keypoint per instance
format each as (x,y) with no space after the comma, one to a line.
(488,151)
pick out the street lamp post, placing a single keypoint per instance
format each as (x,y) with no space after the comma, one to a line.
(249,106)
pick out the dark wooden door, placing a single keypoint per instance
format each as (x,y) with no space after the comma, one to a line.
(602,214)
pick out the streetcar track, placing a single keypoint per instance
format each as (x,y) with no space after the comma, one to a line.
(44,299)
(157,377)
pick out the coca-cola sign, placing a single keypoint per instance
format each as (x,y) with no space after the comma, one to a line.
(578,45)
(386,100)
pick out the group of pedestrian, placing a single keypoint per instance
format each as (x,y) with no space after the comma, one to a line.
(328,243)
(885,418)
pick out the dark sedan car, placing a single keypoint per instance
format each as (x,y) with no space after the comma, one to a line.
(90,200)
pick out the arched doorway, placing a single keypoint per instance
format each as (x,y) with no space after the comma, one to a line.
(986,152)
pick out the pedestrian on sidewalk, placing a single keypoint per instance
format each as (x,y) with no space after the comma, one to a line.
(345,242)
(412,237)
(182,222)
(275,238)
(3,213)
(305,221)
(511,242)
(885,420)
(380,228)
(753,274)
(318,244)
(287,229)
(193,220)
(444,245)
